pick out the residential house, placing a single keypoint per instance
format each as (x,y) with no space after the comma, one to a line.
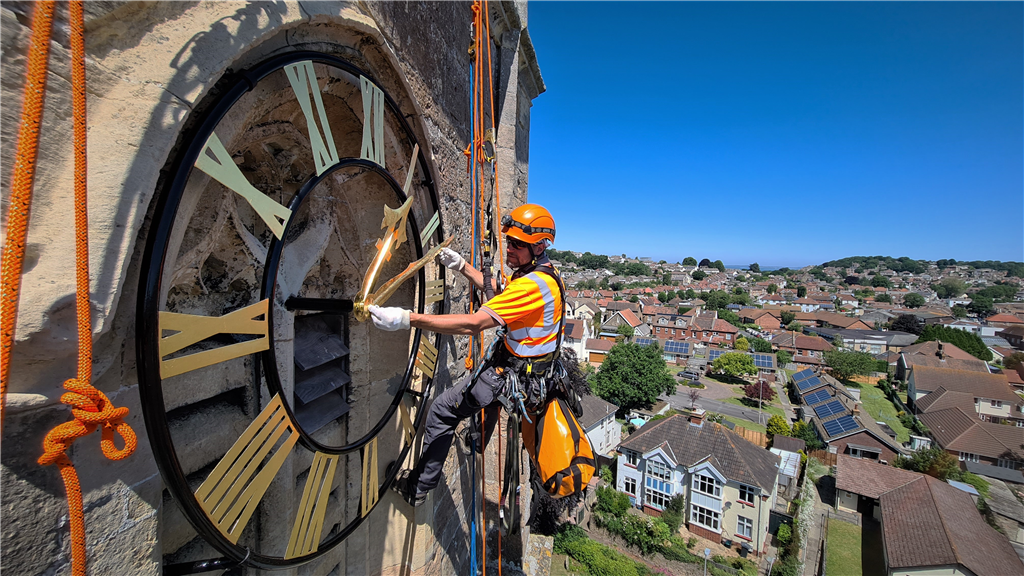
(937,355)
(963,435)
(928,526)
(807,304)
(650,312)
(847,301)
(989,395)
(767,320)
(870,341)
(598,421)
(610,327)
(582,308)
(1004,320)
(965,325)
(833,320)
(806,350)
(1014,335)
(597,349)
(729,483)
(709,328)
(669,326)
(576,334)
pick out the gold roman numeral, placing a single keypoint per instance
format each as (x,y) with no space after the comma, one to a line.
(426,357)
(309,522)
(370,486)
(235,487)
(215,161)
(435,291)
(303,80)
(191,328)
(403,410)
(373,122)
(432,225)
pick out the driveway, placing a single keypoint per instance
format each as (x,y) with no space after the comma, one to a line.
(680,401)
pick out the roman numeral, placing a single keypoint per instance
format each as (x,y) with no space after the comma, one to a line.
(234,489)
(435,291)
(191,328)
(373,124)
(369,477)
(215,161)
(403,410)
(426,357)
(432,225)
(309,522)
(303,80)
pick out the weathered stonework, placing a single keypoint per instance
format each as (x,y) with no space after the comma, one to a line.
(149,65)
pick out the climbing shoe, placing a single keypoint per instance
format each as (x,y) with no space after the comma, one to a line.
(405,486)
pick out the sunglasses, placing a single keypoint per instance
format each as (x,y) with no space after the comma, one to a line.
(516,243)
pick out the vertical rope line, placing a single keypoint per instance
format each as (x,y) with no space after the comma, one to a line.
(494,166)
(21,188)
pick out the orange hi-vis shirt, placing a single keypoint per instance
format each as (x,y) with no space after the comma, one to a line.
(531,310)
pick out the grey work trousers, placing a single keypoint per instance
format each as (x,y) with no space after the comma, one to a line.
(448,409)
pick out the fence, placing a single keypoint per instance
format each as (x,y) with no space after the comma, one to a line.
(827,458)
(752,436)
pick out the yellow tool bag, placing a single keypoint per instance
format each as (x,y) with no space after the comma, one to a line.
(559,449)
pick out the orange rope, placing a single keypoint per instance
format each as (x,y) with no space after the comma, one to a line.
(90,407)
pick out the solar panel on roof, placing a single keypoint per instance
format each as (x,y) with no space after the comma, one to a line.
(677,347)
(642,341)
(816,397)
(714,354)
(847,423)
(808,384)
(803,375)
(832,427)
(830,409)
(762,360)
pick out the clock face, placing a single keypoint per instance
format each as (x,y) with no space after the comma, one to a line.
(274,409)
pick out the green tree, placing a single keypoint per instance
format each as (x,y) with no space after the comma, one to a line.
(777,425)
(633,376)
(783,357)
(845,364)
(879,281)
(1014,361)
(913,300)
(738,290)
(624,330)
(698,275)
(718,264)
(950,287)
(755,267)
(705,263)
(740,278)
(730,317)
(933,461)
(883,298)
(716,299)
(690,294)
(966,341)
(958,311)
(906,323)
(741,344)
(761,345)
(689,261)
(787,318)
(981,305)
(734,364)
(634,298)
(853,280)
(795,327)
(805,432)
(772,288)
(801,291)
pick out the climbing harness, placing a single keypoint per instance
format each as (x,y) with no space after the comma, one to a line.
(90,407)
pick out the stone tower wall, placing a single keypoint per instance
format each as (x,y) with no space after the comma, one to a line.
(149,64)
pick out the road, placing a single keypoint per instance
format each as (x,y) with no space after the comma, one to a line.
(680,401)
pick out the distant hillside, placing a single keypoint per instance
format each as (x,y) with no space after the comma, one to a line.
(905,264)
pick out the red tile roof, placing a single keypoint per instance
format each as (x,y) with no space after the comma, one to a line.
(599,345)
(932,349)
(993,386)
(1005,319)
(868,478)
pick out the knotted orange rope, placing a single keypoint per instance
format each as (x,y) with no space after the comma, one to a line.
(90,407)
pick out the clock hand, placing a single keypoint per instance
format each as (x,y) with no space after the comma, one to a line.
(388,289)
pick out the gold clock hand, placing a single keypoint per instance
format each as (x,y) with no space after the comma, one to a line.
(388,289)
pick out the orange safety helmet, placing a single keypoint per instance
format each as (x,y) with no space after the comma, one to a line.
(529,223)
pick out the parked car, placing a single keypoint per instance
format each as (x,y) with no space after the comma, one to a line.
(689,375)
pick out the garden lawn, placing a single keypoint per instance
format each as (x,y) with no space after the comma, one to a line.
(844,549)
(879,407)
(765,407)
(741,423)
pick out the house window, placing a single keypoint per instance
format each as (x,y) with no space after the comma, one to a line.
(996,403)
(632,458)
(728,336)
(629,486)
(657,499)
(1006,464)
(746,494)
(704,517)
(658,470)
(744,527)
(707,485)
(968,457)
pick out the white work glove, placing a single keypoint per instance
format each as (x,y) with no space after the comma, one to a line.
(389,319)
(451,259)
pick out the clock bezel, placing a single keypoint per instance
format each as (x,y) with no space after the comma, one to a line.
(148,306)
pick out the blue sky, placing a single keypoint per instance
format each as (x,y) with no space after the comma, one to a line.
(782,133)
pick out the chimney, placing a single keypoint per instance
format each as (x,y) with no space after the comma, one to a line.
(856,408)
(697,417)
(940,352)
